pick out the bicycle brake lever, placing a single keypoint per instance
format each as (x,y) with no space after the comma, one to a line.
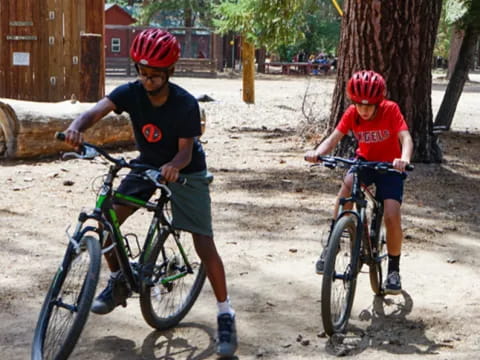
(153,175)
(87,153)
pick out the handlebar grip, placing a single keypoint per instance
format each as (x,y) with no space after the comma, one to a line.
(409,167)
(60,136)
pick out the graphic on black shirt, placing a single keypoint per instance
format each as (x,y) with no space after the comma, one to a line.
(152,133)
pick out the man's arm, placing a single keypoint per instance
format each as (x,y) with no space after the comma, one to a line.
(87,119)
(183,157)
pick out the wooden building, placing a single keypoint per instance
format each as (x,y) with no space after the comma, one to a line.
(117,38)
(52,49)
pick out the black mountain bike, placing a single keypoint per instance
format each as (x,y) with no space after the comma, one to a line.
(168,275)
(353,242)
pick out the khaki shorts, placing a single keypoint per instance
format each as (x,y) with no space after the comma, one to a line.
(191,203)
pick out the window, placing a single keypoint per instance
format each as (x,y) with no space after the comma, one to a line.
(116,45)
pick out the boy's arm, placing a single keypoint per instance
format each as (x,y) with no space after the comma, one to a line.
(171,170)
(87,119)
(407,150)
(325,147)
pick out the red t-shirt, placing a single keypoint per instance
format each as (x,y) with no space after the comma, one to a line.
(377,138)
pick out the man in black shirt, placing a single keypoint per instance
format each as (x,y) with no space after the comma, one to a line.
(166,123)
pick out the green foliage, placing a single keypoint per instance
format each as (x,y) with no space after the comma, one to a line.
(284,26)
(444,34)
(269,23)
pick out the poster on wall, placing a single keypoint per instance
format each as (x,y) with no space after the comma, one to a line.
(21,59)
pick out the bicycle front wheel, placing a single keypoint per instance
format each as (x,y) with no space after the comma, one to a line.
(378,271)
(171,287)
(67,304)
(339,278)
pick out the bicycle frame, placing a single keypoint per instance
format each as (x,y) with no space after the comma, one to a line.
(108,226)
(360,196)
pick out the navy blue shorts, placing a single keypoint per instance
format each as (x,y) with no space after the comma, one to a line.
(388,185)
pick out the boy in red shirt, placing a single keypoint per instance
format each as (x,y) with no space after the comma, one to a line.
(382,135)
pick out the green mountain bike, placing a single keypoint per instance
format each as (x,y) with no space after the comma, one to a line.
(168,274)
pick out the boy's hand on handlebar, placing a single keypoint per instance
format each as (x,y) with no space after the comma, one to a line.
(400,165)
(311,156)
(73,137)
(170,173)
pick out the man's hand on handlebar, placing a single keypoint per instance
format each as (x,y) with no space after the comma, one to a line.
(73,137)
(170,173)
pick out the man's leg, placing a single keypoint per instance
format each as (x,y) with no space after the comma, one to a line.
(227,334)
(117,290)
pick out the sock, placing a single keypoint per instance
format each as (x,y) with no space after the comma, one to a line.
(393,263)
(115,274)
(225,307)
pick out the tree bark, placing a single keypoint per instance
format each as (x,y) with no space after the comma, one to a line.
(395,39)
(455,44)
(262,54)
(446,112)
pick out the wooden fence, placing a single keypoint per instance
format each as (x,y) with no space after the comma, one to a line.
(41,57)
(123,66)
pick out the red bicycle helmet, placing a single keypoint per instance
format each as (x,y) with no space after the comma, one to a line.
(366,87)
(155,48)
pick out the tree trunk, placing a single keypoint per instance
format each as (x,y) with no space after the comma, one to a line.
(459,76)
(395,39)
(262,54)
(248,74)
(455,44)
(187,52)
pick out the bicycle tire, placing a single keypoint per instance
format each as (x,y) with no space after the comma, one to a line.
(379,269)
(164,305)
(67,304)
(339,281)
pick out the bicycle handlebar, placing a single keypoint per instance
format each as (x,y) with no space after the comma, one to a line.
(333,161)
(90,151)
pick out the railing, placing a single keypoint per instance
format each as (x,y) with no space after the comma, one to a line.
(123,66)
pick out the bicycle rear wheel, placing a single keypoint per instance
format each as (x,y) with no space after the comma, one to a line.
(378,271)
(339,280)
(67,304)
(170,290)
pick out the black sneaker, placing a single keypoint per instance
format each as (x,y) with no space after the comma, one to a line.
(116,293)
(393,284)
(227,335)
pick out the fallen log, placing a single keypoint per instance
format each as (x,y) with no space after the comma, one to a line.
(27,128)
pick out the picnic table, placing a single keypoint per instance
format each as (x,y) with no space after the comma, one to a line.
(287,68)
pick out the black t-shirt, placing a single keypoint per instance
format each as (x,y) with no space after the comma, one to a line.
(157,129)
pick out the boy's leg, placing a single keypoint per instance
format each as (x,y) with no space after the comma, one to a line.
(392,218)
(117,291)
(227,334)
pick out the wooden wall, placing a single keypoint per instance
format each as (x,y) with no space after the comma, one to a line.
(41,48)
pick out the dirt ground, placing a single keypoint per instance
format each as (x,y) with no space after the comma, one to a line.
(270,212)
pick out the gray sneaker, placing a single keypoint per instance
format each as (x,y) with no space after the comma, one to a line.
(320,264)
(116,293)
(227,336)
(393,284)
